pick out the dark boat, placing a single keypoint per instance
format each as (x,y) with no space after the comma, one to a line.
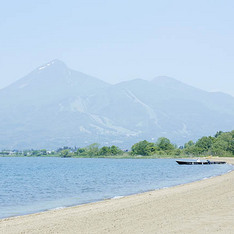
(199,162)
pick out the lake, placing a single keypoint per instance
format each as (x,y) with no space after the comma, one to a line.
(30,185)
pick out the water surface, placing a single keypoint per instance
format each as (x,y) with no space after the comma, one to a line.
(29,185)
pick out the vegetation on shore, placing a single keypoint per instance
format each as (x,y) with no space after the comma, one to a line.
(222,144)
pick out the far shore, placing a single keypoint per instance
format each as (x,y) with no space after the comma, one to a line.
(205,206)
(126,156)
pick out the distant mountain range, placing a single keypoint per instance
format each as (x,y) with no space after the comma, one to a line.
(55,106)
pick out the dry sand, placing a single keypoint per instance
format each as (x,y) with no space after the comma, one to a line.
(205,206)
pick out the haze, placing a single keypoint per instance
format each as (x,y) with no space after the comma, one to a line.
(191,41)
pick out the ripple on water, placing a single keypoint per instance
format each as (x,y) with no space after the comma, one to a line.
(30,185)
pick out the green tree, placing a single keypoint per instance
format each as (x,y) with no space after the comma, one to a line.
(143,148)
(81,151)
(219,147)
(164,144)
(224,144)
(218,133)
(93,149)
(188,144)
(105,151)
(115,150)
(65,153)
(204,144)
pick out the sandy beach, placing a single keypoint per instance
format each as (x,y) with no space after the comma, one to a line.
(205,206)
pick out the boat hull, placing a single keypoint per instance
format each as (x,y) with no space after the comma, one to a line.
(198,163)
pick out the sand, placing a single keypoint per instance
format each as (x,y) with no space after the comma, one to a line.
(205,206)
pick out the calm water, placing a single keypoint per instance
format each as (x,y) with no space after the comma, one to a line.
(29,185)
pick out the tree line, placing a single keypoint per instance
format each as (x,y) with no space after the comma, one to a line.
(91,151)
(221,144)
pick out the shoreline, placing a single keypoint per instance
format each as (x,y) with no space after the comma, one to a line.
(126,156)
(164,210)
(118,196)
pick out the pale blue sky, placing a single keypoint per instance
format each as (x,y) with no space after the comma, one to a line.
(192,41)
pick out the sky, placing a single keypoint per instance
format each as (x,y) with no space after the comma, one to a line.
(118,40)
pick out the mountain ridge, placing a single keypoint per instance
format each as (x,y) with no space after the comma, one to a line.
(55,106)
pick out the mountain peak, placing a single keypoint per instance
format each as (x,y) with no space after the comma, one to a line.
(53,63)
(165,79)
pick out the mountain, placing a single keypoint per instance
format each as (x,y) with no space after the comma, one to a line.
(54,106)
(44,109)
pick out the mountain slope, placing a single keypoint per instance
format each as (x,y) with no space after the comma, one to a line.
(49,83)
(55,106)
(166,108)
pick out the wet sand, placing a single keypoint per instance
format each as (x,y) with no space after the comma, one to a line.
(205,206)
